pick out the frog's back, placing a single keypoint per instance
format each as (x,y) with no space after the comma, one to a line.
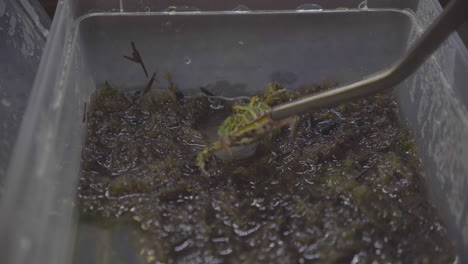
(243,115)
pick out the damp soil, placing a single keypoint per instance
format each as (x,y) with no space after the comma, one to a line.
(347,188)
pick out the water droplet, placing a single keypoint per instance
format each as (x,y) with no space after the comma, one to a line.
(171,10)
(309,7)
(241,8)
(215,104)
(187,60)
(182,246)
(242,233)
(216,107)
(24,243)
(183,8)
(166,26)
(225,252)
(6,103)
(363,5)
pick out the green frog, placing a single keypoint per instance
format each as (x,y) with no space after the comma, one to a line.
(249,122)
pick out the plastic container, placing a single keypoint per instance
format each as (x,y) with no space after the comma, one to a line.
(23,30)
(235,52)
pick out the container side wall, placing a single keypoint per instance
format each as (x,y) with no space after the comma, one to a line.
(435,103)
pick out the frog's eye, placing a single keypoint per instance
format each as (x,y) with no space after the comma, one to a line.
(275,87)
(253,100)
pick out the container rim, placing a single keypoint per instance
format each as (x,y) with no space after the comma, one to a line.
(407,12)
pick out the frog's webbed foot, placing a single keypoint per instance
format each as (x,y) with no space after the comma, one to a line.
(205,154)
(225,145)
(201,164)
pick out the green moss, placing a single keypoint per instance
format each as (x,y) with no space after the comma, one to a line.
(108,99)
(391,167)
(325,116)
(155,101)
(361,194)
(125,184)
(332,180)
(275,94)
(174,193)
(404,145)
(349,163)
(335,191)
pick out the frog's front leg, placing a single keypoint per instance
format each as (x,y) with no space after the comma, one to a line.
(207,152)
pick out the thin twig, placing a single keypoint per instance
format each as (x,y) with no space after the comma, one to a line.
(150,84)
(173,88)
(84,113)
(136,58)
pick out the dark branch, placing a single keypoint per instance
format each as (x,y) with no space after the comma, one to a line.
(173,88)
(205,91)
(150,84)
(136,58)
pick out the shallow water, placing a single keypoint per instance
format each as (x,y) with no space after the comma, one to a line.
(347,188)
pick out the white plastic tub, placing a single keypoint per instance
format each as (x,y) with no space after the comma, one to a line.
(234,52)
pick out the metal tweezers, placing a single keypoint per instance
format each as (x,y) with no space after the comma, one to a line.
(454,15)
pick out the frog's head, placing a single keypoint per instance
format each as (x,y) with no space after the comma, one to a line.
(272,88)
(275,94)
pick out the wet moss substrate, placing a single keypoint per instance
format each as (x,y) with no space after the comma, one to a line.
(348,188)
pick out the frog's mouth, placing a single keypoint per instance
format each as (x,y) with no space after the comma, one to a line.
(237,152)
(209,129)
